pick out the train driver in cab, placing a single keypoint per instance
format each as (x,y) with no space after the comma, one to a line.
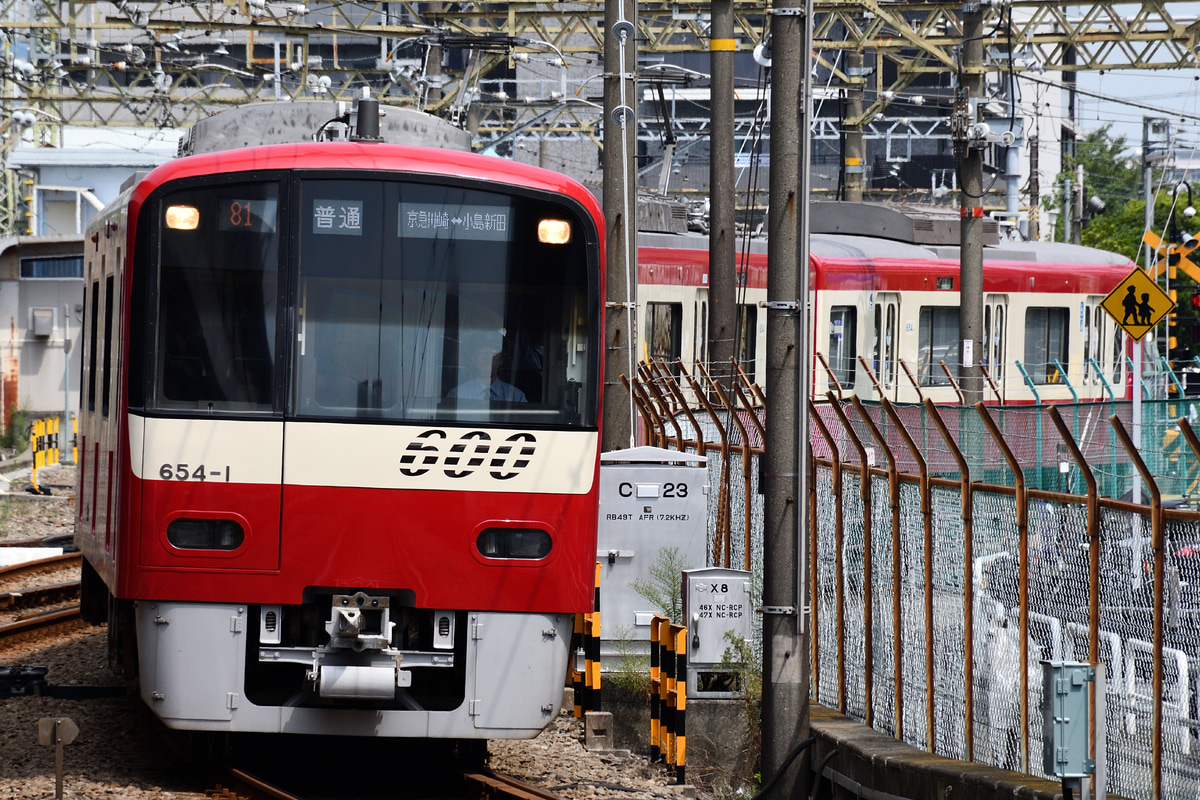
(480,362)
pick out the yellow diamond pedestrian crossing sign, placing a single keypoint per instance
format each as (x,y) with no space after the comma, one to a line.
(1137,304)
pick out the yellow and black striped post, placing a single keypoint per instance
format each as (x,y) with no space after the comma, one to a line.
(670,685)
(74,440)
(657,625)
(593,666)
(43,443)
(680,704)
(577,683)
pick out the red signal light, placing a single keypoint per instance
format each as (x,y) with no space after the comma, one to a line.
(1196,300)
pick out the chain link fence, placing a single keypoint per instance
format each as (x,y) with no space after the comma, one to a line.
(1013,537)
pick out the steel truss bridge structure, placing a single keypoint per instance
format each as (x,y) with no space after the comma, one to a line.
(168,64)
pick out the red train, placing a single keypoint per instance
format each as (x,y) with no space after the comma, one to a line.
(339,435)
(885,289)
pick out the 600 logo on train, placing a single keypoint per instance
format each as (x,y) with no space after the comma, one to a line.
(519,447)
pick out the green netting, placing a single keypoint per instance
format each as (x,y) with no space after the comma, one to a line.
(1031,435)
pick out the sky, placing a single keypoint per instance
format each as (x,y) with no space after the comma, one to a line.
(1174,94)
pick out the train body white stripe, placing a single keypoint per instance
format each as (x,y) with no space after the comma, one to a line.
(238,451)
(426,456)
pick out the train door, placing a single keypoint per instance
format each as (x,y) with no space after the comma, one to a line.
(1093,325)
(664,322)
(995,321)
(886,336)
(700,338)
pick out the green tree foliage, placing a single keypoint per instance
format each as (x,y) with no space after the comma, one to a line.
(1113,171)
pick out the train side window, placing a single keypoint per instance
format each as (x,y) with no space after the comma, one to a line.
(665,321)
(937,329)
(106,368)
(747,338)
(1045,343)
(215,341)
(843,343)
(92,345)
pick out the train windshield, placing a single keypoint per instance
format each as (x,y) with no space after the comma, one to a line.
(217,291)
(407,301)
(421,302)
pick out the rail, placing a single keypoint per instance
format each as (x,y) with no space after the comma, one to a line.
(44,620)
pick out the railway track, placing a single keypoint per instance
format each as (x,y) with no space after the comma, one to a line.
(491,786)
(39,596)
(45,619)
(486,785)
(41,565)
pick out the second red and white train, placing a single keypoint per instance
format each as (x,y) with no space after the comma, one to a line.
(883,298)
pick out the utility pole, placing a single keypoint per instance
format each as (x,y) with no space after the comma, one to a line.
(1077,206)
(620,216)
(722,199)
(785,707)
(1068,211)
(970,315)
(853,168)
(1035,191)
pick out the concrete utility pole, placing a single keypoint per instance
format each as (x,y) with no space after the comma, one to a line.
(620,215)
(722,198)
(853,168)
(785,706)
(1035,191)
(1077,207)
(970,315)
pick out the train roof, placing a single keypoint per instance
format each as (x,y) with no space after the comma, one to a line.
(845,246)
(369,157)
(295,122)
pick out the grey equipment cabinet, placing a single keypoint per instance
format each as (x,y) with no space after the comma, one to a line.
(716,608)
(650,499)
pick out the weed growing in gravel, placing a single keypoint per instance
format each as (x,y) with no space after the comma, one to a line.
(630,670)
(16,436)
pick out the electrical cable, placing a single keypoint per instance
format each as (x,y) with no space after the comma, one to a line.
(820,770)
(787,762)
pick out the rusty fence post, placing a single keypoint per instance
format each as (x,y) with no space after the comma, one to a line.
(667,411)
(643,404)
(927,523)
(836,464)
(893,475)
(1022,503)
(721,524)
(673,385)
(1093,535)
(744,449)
(968,499)
(748,465)
(1156,545)
(864,474)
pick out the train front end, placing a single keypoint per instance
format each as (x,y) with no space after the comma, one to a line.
(359,438)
